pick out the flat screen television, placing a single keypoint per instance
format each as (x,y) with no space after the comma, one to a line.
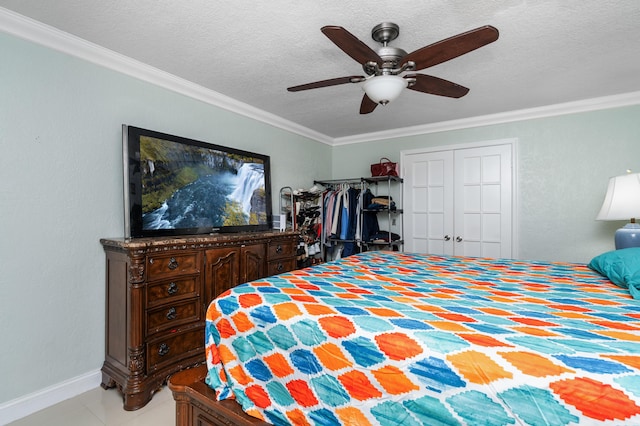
(180,186)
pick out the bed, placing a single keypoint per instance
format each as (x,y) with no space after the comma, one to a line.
(389,338)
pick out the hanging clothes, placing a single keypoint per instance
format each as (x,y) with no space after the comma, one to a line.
(337,208)
(341,216)
(352,214)
(344,213)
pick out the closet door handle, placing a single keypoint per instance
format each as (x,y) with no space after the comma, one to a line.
(459,239)
(447,238)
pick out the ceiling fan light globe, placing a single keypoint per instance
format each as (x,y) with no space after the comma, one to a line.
(383,89)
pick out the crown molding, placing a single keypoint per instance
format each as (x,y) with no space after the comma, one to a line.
(45,35)
(594,104)
(53,38)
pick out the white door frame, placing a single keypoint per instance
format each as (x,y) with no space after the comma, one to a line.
(515,226)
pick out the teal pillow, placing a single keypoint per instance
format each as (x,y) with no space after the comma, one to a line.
(622,267)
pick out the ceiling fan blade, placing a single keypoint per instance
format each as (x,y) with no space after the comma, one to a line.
(351,45)
(327,83)
(437,86)
(452,47)
(367,105)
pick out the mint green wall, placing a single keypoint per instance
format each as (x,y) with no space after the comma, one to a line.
(563,166)
(61,191)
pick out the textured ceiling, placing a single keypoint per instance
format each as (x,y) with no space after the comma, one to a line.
(549,51)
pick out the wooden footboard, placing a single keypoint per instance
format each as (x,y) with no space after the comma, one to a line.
(196,403)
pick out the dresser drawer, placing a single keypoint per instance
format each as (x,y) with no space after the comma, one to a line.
(173,315)
(281,266)
(173,347)
(173,265)
(170,290)
(281,248)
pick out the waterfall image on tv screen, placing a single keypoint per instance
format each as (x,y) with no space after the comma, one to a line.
(185,186)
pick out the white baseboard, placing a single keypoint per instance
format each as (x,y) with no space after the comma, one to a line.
(36,401)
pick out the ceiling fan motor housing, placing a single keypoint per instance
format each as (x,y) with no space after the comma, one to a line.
(391,54)
(384,33)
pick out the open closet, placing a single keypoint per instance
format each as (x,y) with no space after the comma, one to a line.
(360,214)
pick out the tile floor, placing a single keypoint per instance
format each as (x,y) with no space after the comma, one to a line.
(99,407)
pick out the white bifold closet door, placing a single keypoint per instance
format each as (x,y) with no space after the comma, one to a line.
(459,202)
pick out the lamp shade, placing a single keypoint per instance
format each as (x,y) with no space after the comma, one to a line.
(383,89)
(622,201)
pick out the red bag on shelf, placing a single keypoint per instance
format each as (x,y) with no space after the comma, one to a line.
(384,168)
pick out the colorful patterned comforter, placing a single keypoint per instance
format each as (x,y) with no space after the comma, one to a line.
(387,338)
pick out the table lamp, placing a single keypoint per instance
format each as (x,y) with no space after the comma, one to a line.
(622,202)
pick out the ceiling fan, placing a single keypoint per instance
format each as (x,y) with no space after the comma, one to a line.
(390,69)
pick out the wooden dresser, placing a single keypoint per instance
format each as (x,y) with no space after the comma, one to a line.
(158,290)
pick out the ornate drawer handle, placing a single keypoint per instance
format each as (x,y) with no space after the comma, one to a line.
(171,314)
(163,349)
(173,263)
(280,267)
(172,289)
(279,249)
